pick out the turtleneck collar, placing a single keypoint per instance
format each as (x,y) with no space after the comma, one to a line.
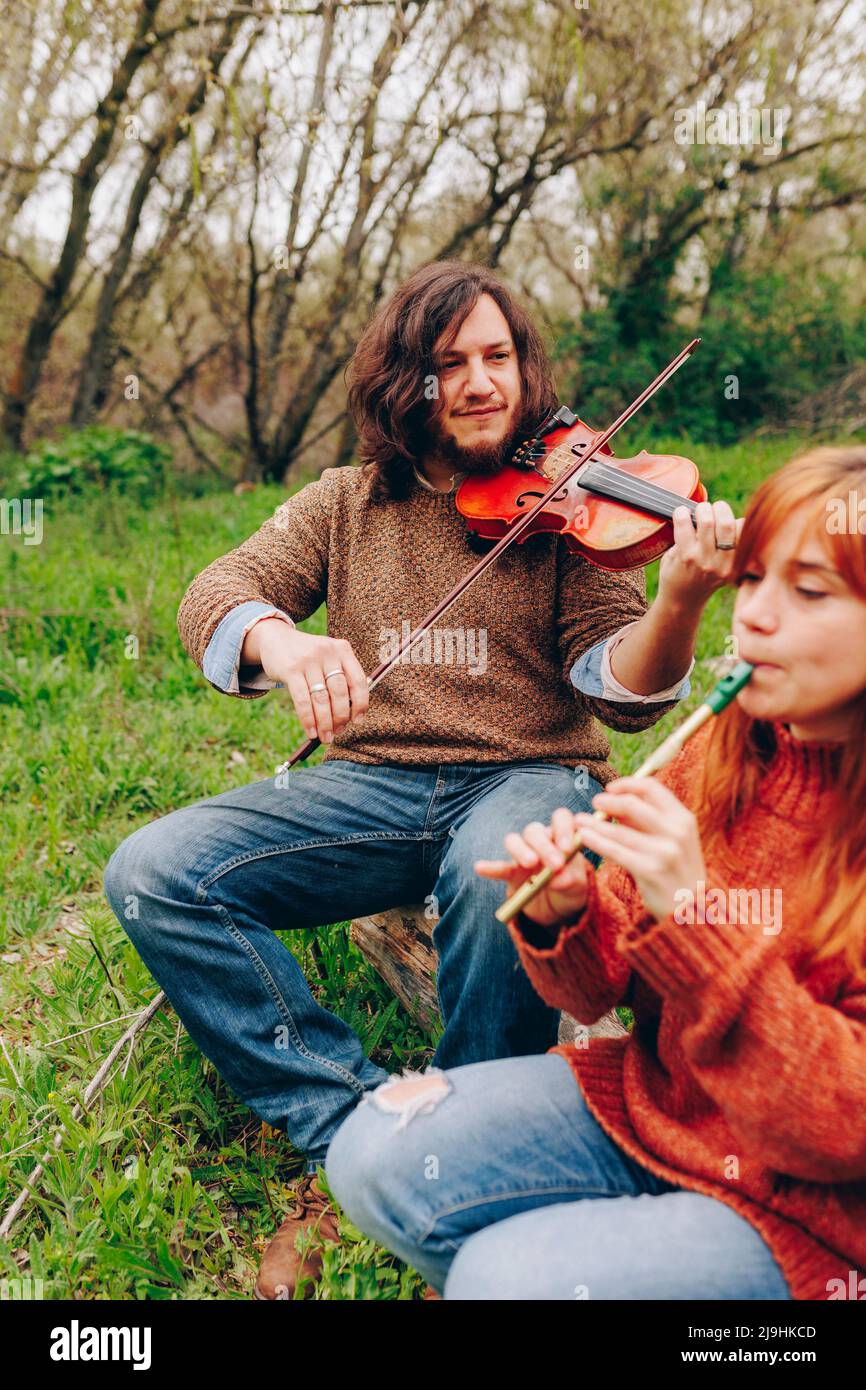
(802,776)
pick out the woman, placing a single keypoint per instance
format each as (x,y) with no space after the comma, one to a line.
(719,1151)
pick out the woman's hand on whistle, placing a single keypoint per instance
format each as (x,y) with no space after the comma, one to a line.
(655,839)
(537,847)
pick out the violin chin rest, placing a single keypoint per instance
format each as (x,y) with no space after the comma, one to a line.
(482,545)
(479,545)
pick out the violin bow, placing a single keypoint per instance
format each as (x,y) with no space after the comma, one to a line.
(717,700)
(505,541)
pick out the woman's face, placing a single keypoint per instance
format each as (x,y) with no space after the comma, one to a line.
(804,630)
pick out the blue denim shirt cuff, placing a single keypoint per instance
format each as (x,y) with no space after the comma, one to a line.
(221,663)
(586,677)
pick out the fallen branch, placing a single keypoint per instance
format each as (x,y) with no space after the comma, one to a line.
(94,1088)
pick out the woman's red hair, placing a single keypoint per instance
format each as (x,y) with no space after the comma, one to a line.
(831,911)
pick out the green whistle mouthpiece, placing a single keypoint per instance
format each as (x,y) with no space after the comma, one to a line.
(729,686)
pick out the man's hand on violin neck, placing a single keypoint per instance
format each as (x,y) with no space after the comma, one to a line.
(322,674)
(701,559)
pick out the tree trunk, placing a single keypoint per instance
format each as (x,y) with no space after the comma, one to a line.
(346,443)
(103,347)
(321,369)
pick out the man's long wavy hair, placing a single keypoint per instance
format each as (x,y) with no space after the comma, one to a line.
(832,893)
(393,366)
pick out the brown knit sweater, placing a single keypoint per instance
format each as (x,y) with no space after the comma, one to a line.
(739,1048)
(379,566)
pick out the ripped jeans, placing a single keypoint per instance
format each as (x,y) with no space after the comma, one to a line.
(202,893)
(495,1181)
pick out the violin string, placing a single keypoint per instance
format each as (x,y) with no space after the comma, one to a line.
(644,495)
(617,476)
(635,490)
(622,487)
(650,502)
(640,499)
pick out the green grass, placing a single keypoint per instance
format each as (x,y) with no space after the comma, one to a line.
(169,1187)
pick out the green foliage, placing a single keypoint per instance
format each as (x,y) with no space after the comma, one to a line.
(93,460)
(768,340)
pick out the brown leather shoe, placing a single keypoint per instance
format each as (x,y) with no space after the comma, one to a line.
(282,1266)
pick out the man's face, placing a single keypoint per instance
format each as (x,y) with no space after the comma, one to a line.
(479,392)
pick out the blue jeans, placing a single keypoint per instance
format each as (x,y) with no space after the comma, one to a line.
(506,1187)
(201,891)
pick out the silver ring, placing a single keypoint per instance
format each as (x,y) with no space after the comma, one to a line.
(726,546)
(329,674)
(320,685)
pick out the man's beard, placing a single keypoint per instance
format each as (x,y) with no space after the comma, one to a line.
(479,458)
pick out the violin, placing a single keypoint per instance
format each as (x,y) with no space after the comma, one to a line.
(615,512)
(629,503)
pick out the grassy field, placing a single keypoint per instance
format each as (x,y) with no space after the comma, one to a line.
(169,1188)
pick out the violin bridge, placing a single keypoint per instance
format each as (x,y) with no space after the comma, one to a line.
(557,461)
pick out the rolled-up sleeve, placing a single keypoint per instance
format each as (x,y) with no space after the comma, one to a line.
(592,675)
(221,664)
(594,607)
(281,570)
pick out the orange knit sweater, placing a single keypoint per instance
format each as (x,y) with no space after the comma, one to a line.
(744,1076)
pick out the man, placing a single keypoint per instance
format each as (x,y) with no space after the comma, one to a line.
(429,773)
